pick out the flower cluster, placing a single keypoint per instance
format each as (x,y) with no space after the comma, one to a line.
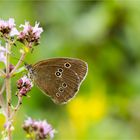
(40,130)
(30,35)
(24,85)
(8,27)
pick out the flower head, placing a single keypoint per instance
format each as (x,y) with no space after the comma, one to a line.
(24,85)
(8,27)
(41,129)
(29,34)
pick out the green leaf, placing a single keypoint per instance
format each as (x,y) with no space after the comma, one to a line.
(20,70)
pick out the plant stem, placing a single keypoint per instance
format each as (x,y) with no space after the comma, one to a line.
(2,73)
(17,107)
(18,64)
(2,103)
(8,88)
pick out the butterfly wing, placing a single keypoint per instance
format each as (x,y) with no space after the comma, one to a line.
(77,65)
(59,78)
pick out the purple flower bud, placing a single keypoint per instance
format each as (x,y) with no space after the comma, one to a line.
(24,85)
(11,67)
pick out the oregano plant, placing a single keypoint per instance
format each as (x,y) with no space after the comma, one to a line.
(29,36)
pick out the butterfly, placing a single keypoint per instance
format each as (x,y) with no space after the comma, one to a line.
(59,78)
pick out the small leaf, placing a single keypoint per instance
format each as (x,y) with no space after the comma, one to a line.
(19,70)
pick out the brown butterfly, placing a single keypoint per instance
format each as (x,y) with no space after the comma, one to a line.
(59,78)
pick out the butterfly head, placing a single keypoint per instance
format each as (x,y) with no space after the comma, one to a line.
(27,66)
(29,69)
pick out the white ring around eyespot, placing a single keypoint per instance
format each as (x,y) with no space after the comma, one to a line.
(57,94)
(60,89)
(58,75)
(63,85)
(66,64)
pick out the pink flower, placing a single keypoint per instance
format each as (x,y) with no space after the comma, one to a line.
(24,85)
(29,34)
(4,24)
(28,122)
(26,28)
(42,129)
(37,30)
(8,27)
(47,127)
(14,32)
(11,23)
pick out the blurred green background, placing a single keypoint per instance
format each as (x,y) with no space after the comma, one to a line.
(106,34)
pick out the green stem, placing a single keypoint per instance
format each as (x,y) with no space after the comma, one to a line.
(8,89)
(2,73)
(2,103)
(16,108)
(18,64)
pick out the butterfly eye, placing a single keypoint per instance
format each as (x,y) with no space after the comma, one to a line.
(67,65)
(60,70)
(58,74)
(57,94)
(61,89)
(64,85)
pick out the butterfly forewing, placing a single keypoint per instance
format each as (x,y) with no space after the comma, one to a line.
(77,65)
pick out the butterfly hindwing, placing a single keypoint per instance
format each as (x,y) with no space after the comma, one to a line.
(60,88)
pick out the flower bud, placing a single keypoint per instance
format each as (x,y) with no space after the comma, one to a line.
(24,85)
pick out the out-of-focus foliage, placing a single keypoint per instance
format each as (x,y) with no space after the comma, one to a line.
(106,35)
